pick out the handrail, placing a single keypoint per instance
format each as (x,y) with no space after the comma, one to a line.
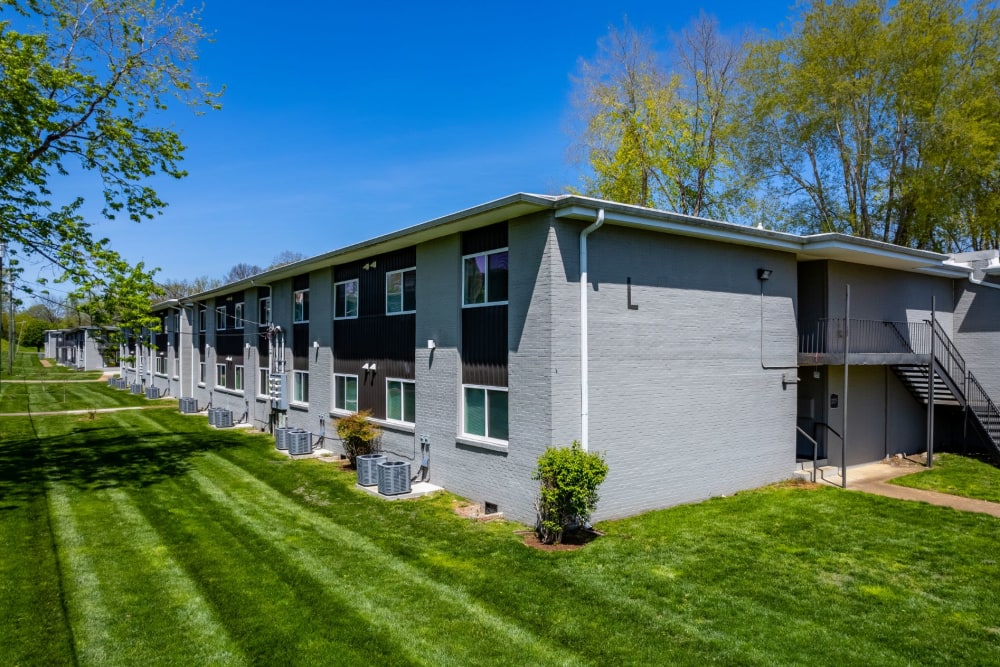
(829,428)
(983,407)
(867,337)
(953,360)
(815,449)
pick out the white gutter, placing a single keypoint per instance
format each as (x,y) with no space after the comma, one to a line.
(584,353)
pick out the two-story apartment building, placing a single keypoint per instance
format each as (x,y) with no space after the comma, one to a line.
(669,343)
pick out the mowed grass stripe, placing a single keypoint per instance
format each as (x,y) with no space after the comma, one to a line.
(178,598)
(128,603)
(395,597)
(271,606)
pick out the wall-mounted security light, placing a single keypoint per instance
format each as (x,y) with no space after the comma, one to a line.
(247,345)
(364,367)
(372,367)
(431,344)
(370,265)
(229,358)
(764,274)
(315,344)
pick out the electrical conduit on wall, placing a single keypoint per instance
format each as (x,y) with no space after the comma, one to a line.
(584,352)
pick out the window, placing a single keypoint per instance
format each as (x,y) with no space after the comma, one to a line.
(177,367)
(238,378)
(201,319)
(263,382)
(161,365)
(264,311)
(220,318)
(399,401)
(484,412)
(220,375)
(300,306)
(201,373)
(300,390)
(345,393)
(239,315)
(345,299)
(485,278)
(401,292)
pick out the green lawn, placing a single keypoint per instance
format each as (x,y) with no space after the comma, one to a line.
(44,397)
(959,476)
(27,366)
(149,538)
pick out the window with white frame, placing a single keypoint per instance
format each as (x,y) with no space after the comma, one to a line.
(484,412)
(300,306)
(400,397)
(202,317)
(220,375)
(239,315)
(484,278)
(345,393)
(401,292)
(300,387)
(177,367)
(220,318)
(238,378)
(263,382)
(345,299)
(201,373)
(161,365)
(264,311)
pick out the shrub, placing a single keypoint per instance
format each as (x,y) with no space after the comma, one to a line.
(569,479)
(359,435)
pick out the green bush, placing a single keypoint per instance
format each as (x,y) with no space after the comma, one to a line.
(359,435)
(569,479)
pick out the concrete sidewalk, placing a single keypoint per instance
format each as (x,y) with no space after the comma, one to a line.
(874,478)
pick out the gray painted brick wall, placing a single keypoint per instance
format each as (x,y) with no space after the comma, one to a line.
(977,333)
(680,401)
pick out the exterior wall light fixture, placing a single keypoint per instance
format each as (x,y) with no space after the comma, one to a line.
(764,274)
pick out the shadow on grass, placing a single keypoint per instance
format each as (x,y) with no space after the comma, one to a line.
(100,455)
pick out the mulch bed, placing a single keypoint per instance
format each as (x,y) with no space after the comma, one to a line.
(572,540)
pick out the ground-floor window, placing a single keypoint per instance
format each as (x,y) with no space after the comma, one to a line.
(220,375)
(238,378)
(300,388)
(400,396)
(345,393)
(201,372)
(161,366)
(263,382)
(484,412)
(177,367)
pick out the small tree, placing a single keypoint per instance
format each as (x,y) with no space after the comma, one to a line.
(569,479)
(359,435)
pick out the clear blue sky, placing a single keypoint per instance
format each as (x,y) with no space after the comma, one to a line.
(344,121)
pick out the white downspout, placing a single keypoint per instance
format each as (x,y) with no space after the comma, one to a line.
(584,352)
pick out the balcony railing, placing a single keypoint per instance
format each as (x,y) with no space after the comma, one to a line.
(867,337)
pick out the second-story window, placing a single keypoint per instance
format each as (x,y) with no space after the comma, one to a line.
(401,292)
(345,297)
(239,315)
(300,306)
(220,318)
(264,311)
(484,278)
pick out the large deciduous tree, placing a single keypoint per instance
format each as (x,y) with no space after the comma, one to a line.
(83,84)
(882,119)
(658,129)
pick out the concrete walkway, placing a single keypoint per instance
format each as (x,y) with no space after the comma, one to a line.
(52,413)
(874,478)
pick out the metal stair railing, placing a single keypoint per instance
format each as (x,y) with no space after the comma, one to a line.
(983,409)
(949,361)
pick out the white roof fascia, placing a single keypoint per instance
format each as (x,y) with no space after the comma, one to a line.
(681,225)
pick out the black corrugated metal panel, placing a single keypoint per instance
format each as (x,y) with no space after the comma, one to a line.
(484,346)
(300,346)
(484,238)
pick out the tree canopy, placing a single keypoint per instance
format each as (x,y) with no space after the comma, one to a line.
(83,84)
(876,118)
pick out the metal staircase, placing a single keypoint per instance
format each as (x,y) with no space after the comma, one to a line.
(954,385)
